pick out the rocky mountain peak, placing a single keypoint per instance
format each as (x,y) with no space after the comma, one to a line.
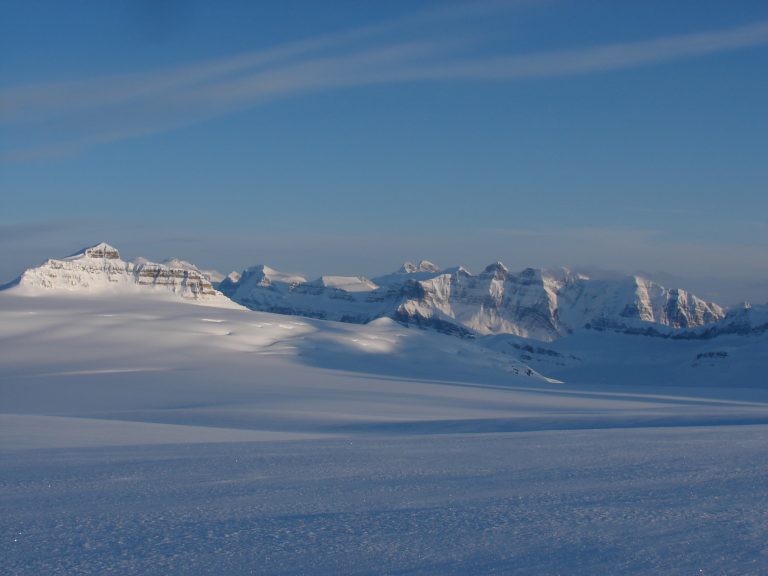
(99,269)
(100,250)
(178,263)
(409,267)
(496,270)
(427,266)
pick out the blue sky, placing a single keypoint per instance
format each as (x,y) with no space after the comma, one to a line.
(345,137)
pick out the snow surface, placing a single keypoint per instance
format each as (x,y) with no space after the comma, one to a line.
(144,433)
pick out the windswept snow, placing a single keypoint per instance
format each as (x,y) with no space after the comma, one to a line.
(165,361)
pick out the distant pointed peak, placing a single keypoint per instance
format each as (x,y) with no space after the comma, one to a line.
(458,271)
(178,263)
(427,266)
(260,269)
(409,267)
(531,272)
(267,275)
(565,273)
(141,261)
(213,276)
(639,280)
(346,283)
(497,268)
(561,275)
(100,250)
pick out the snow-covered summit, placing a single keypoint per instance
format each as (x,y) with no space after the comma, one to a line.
(498,270)
(267,275)
(99,269)
(533,303)
(409,267)
(347,283)
(259,276)
(342,298)
(100,250)
(213,276)
(409,272)
(179,263)
(260,287)
(744,319)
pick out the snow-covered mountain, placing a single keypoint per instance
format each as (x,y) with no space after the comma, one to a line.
(742,320)
(341,298)
(99,269)
(534,303)
(732,351)
(587,329)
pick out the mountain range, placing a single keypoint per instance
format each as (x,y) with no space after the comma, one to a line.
(537,304)
(534,303)
(544,324)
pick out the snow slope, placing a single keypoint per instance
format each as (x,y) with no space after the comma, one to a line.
(606,357)
(142,434)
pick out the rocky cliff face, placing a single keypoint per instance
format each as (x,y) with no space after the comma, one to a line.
(533,303)
(632,300)
(188,283)
(548,304)
(99,268)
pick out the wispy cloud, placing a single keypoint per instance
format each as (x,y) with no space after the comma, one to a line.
(70,116)
(34,102)
(599,58)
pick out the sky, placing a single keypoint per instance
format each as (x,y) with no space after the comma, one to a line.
(345,137)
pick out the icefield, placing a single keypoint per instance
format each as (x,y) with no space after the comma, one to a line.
(146,434)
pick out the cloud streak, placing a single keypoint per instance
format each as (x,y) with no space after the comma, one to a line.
(70,116)
(599,58)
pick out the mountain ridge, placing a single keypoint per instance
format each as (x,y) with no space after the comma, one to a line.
(533,303)
(99,269)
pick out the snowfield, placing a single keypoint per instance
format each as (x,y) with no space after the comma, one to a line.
(142,433)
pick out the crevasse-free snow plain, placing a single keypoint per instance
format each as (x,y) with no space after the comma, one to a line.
(151,425)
